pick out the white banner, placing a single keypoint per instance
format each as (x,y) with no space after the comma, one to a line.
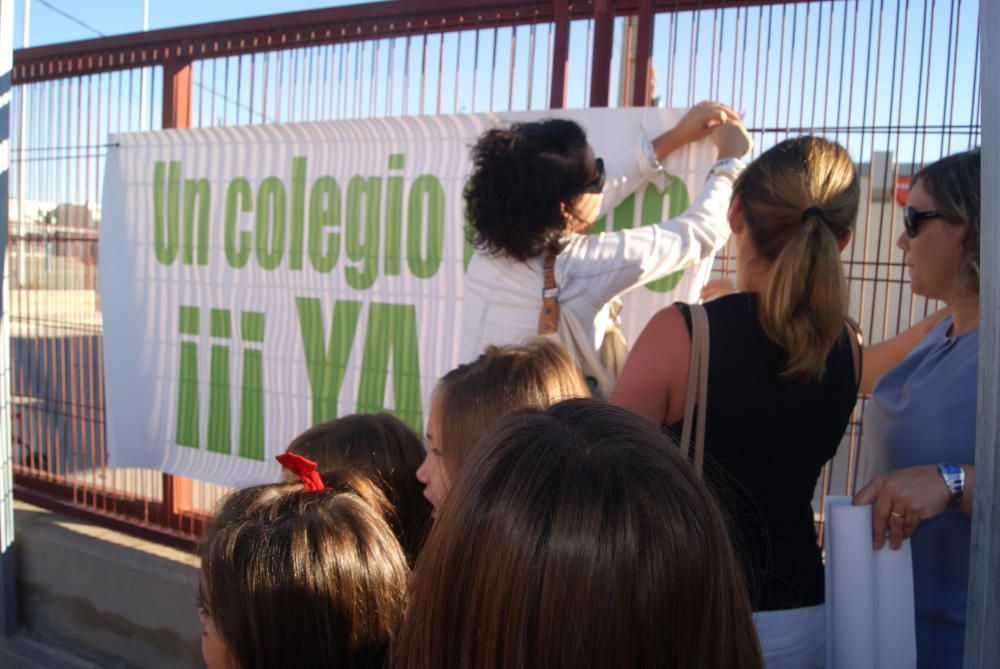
(258,279)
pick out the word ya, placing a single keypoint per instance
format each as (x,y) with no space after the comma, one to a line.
(272,224)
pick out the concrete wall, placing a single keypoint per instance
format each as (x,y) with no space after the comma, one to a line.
(105,593)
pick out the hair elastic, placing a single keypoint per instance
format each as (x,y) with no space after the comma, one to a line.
(814,211)
(304,468)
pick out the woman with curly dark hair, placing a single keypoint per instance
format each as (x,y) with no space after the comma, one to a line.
(537,188)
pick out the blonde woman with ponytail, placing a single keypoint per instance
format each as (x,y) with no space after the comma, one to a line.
(784,370)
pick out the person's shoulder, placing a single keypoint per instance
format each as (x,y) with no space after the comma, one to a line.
(734,305)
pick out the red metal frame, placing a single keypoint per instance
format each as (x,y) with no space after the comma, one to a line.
(317,27)
(175,50)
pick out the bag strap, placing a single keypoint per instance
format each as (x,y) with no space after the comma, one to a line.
(857,341)
(697,389)
(548,318)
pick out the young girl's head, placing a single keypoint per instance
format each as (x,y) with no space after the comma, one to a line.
(295,578)
(577,536)
(470,399)
(385,450)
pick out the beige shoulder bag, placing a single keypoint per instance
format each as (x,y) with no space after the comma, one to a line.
(604,365)
(697,389)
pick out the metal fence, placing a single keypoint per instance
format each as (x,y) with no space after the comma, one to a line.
(896,81)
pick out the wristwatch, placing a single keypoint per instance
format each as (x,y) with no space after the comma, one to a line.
(727,167)
(954,478)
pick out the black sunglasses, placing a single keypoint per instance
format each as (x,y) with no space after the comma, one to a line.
(596,186)
(912,218)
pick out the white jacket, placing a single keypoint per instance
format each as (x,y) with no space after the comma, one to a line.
(503,297)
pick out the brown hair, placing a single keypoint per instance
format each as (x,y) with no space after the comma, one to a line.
(304,579)
(383,448)
(474,396)
(954,183)
(577,536)
(801,198)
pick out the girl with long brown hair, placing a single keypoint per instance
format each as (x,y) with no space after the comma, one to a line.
(577,537)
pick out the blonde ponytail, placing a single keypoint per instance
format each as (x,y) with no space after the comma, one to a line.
(803,301)
(801,198)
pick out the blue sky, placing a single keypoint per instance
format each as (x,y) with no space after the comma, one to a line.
(113,17)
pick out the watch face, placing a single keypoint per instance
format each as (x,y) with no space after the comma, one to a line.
(951,470)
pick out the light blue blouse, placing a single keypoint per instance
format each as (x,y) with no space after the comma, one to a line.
(923,411)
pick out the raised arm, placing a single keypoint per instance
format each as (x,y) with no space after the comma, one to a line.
(625,177)
(612,263)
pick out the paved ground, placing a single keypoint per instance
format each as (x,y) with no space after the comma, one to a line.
(26,650)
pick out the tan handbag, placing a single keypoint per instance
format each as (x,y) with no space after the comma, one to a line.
(697,390)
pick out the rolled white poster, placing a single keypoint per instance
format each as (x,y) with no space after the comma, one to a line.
(869,594)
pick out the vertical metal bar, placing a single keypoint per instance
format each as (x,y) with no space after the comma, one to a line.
(253,95)
(531,63)
(643,54)
(982,643)
(475,70)
(713,76)
(423,73)
(8,598)
(600,78)
(389,73)
(356,92)
(513,61)
(176,114)
(548,59)
(406,78)
(376,69)
(264,88)
(493,67)
(458,59)
(560,55)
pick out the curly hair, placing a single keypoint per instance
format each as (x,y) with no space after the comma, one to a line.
(522,176)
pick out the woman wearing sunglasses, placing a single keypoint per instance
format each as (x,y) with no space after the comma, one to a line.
(922,413)
(536,190)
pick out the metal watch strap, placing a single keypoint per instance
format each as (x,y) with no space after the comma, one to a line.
(954,478)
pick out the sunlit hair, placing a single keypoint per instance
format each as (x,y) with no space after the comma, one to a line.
(474,396)
(304,579)
(577,537)
(800,199)
(954,183)
(384,449)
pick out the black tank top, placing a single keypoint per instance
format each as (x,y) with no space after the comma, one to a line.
(766,441)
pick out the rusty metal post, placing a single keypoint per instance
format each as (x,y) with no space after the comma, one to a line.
(176,93)
(641,95)
(604,25)
(177,490)
(560,55)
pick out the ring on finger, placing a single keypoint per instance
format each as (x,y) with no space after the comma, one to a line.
(896,514)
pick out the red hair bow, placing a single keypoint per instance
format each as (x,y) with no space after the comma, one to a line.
(302,467)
